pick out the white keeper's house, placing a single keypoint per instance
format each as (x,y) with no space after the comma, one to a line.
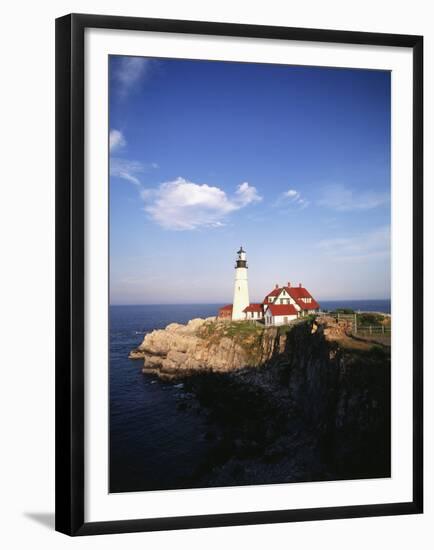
(279,307)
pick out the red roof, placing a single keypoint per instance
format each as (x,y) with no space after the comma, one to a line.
(274,292)
(253,307)
(228,307)
(282,309)
(299,292)
(296,293)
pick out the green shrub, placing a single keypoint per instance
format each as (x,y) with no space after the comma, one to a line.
(370,319)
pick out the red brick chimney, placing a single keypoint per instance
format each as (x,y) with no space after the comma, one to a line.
(289,284)
(277,286)
(299,284)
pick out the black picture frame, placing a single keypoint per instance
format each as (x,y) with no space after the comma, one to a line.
(70,282)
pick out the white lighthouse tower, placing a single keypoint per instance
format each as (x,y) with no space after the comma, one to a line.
(241,287)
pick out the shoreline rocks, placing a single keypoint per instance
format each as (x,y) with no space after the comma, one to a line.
(212,345)
(314,410)
(202,345)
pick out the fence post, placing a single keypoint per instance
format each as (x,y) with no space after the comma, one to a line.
(355,323)
(370,330)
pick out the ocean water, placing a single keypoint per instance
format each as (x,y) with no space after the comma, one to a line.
(155,441)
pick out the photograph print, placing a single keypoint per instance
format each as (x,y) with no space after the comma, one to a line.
(250,274)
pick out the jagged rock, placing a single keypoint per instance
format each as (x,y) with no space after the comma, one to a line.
(211,345)
(136,354)
(206,345)
(314,410)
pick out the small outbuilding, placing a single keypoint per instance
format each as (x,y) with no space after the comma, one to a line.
(280,314)
(225,312)
(254,312)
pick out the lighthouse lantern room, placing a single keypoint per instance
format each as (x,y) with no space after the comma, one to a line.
(241,287)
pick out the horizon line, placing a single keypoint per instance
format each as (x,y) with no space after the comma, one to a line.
(219,303)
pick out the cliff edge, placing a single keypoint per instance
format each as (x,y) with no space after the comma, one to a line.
(207,345)
(307,401)
(210,345)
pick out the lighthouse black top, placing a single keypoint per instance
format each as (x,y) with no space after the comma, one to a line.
(240,261)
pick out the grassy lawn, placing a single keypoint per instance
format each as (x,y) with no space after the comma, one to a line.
(230,329)
(242,328)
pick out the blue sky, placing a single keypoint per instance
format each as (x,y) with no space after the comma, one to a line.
(291,162)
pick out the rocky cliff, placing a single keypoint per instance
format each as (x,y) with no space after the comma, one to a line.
(297,403)
(208,345)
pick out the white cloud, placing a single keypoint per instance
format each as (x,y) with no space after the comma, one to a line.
(184,205)
(341,198)
(126,169)
(129,170)
(129,72)
(361,247)
(292,196)
(245,194)
(117,140)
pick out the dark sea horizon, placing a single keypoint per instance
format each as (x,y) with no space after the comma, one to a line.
(380,305)
(155,441)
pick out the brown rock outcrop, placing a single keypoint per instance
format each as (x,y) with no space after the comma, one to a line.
(206,345)
(211,345)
